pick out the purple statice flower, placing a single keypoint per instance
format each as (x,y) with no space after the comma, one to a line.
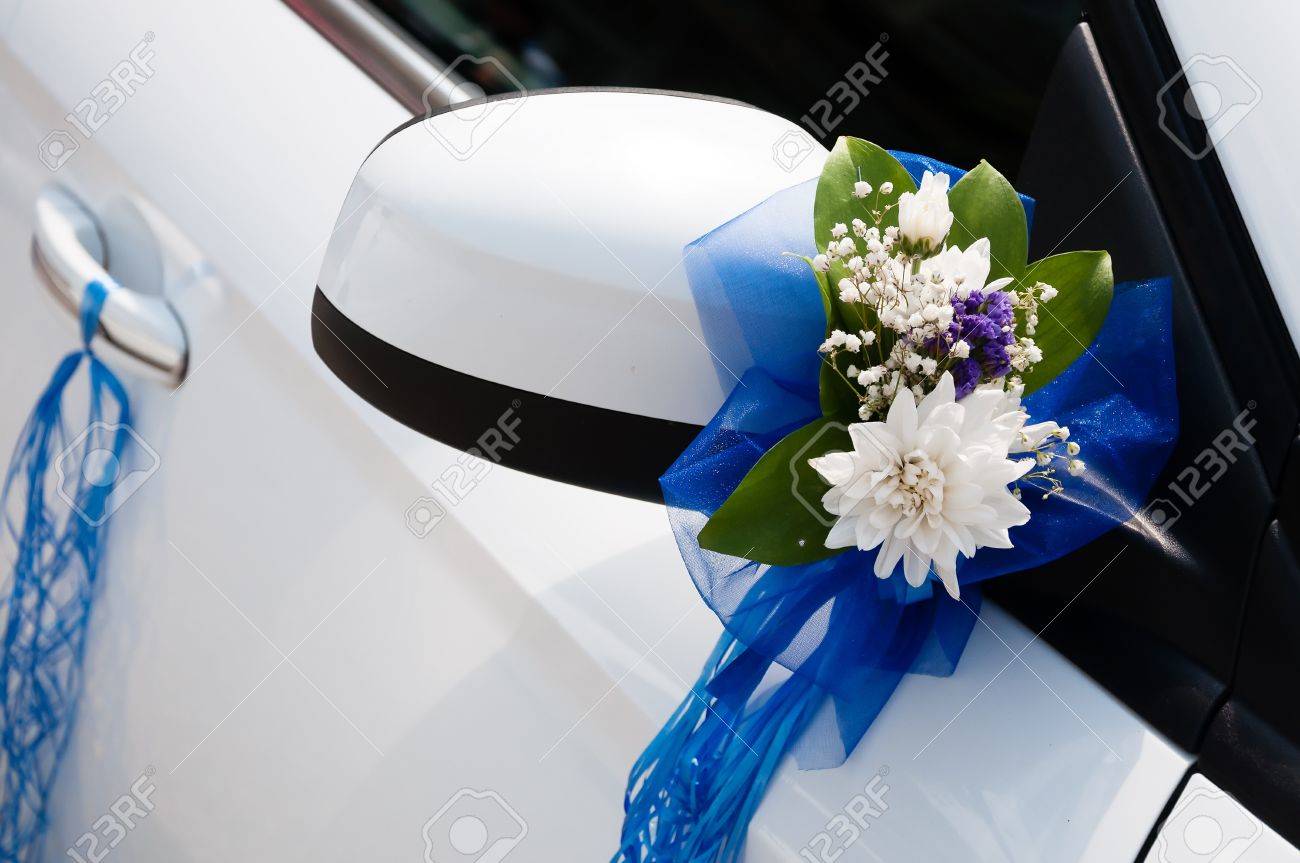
(987,325)
(966,376)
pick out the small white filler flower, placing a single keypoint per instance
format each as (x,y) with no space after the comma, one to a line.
(924,218)
(928,482)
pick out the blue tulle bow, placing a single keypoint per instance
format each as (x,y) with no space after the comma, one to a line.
(843,638)
(55,502)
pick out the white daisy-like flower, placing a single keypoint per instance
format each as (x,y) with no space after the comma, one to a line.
(929,482)
(964,270)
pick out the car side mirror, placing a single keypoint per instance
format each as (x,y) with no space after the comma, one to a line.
(514,263)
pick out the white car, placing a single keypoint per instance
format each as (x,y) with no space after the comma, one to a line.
(387,579)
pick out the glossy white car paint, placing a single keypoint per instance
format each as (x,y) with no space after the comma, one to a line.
(308,679)
(572,215)
(1243,80)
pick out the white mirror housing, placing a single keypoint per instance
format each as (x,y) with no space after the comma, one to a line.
(524,253)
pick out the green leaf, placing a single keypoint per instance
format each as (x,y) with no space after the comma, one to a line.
(984,204)
(828,299)
(853,159)
(1068,323)
(836,396)
(775,515)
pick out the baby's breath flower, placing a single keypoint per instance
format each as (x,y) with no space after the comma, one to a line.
(936,314)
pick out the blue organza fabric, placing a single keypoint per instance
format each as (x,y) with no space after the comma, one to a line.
(832,621)
(844,638)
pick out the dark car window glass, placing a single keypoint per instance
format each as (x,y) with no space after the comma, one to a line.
(961,80)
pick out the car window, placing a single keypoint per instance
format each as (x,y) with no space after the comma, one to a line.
(935,71)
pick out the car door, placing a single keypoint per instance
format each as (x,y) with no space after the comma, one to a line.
(322,636)
(259,540)
(286,637)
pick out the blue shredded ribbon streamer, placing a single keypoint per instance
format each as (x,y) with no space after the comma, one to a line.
(54,509)
(837,640)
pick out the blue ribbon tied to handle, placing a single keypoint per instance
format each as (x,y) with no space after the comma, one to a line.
(55,503)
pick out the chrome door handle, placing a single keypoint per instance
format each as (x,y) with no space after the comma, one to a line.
(69,252)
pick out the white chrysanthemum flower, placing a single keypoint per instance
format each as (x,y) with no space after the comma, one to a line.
(923,217)
(964,270)
(928,482)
